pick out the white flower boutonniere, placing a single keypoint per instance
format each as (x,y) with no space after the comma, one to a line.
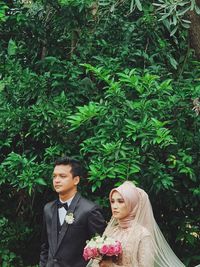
(69,218)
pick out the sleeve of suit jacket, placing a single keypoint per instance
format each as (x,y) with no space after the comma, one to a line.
(96,222)
(44,245)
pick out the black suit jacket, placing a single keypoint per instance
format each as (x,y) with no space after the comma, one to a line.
(66,249)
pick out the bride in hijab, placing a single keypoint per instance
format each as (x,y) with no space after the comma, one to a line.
(133,224)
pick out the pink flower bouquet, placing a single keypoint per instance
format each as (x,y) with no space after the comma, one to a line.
(101,247)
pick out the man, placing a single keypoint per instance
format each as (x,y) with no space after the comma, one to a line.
(68,221)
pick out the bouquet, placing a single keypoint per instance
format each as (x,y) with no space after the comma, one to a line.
(102,247)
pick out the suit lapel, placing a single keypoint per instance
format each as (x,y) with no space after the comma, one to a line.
(65,226)
(54,228)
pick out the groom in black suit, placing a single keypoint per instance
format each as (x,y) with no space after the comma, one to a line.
(68,221)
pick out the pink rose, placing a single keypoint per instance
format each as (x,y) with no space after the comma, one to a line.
(89,253)
(86,253)
(104,249)
(111,250)
(95,252)
(118,248)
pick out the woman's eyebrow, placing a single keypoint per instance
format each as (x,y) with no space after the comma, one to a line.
(117,198)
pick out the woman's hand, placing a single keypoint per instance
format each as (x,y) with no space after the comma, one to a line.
(105,263)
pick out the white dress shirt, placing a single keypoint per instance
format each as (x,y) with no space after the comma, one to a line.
(62,211)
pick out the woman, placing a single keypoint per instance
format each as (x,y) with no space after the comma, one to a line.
(133,224)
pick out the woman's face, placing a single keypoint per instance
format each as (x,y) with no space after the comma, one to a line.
(118,206)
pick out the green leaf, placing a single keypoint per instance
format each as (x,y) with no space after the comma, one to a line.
(138,4)
(12,47)
(40,181)
(197,9)
(173,62)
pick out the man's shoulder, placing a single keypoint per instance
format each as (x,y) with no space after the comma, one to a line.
(88,203)
(50,204)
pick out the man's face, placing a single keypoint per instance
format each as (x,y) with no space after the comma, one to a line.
(63,180)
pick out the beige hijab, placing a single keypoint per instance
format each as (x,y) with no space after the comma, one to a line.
(131,199)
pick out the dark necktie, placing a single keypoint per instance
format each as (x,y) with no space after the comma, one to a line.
(64,205)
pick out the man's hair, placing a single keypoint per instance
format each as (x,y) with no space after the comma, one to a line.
(76,168)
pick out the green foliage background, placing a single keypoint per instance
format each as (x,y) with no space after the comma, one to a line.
(111,83)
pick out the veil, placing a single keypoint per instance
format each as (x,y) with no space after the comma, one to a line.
(162,254)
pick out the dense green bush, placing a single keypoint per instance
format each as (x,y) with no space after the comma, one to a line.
(107,83)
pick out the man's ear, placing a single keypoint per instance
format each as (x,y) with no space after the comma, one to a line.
(76,180)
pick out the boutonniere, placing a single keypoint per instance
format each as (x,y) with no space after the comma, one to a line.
(69,218)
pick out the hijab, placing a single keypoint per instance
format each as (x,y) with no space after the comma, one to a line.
(131,198)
